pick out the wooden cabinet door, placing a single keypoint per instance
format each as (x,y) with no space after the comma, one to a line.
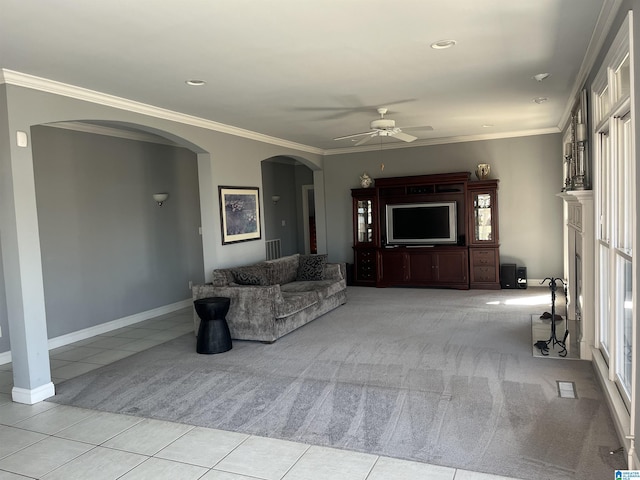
(393,268)
(422,267)
(452,267)
(482,207)
(365,217)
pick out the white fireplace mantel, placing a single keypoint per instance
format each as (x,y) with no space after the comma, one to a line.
(579,249)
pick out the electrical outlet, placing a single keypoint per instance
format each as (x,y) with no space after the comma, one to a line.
(190,284)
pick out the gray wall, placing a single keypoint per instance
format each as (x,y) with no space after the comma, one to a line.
(108,250)
(303,176)
(283,178)
(224,159)
(530,173)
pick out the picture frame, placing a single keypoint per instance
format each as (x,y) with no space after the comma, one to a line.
(239,214)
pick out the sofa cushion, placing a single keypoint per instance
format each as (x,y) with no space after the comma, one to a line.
(222,277)
(282,270)
(250,275)
(323,288)
(293,302)
(311,267)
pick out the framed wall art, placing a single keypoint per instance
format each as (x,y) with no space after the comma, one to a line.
(239,214)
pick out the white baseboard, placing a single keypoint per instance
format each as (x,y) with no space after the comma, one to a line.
(29,397)
(72,337)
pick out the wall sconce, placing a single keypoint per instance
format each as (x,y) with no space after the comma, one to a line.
(160,198)
(275,199)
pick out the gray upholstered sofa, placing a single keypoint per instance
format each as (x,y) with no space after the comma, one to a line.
(272,298)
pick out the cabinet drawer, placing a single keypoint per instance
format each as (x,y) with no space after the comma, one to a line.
(365,268)
(481,257)
(364,255)
(484,274)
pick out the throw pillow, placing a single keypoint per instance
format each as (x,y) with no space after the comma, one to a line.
(250,276)
(311,267)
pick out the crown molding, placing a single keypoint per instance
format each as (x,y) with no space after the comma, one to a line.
(51,86)
(79,93)
(441,141)
(605,20)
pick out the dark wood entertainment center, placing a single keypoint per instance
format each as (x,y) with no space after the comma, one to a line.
(469,261)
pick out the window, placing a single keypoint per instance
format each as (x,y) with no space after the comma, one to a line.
(624,189)
(624,327)
(603,176)
(604,303)
(615,202)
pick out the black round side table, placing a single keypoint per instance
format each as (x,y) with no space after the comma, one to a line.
(213,334)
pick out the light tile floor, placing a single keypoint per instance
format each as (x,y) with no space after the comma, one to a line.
(60,442)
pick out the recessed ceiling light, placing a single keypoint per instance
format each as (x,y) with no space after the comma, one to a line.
(487,125)
(195,83)
(540,99)
(442,44)
(541,76)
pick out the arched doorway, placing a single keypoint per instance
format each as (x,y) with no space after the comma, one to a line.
(289,207)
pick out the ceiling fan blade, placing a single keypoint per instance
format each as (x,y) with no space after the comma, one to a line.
(365,140)
(355,135)
(419,127)
(404,137)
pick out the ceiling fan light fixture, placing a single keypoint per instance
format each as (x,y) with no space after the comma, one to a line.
(442,44)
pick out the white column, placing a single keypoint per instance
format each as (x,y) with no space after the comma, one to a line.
(208,214)
(21,257)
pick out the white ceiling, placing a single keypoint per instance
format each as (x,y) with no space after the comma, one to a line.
(308,71)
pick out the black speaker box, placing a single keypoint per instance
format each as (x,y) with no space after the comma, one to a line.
(508,275)
(521,277)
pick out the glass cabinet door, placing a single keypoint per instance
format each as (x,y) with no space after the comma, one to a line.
(482,218)
(364,232)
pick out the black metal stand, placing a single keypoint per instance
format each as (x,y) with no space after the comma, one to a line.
(553,339)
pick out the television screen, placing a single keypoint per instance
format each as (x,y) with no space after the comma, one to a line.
(422,224)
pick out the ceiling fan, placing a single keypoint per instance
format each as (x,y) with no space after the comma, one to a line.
(383,127)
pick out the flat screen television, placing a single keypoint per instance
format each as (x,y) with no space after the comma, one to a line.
(422,223)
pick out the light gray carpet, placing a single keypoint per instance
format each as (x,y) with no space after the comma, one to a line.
(439,376)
